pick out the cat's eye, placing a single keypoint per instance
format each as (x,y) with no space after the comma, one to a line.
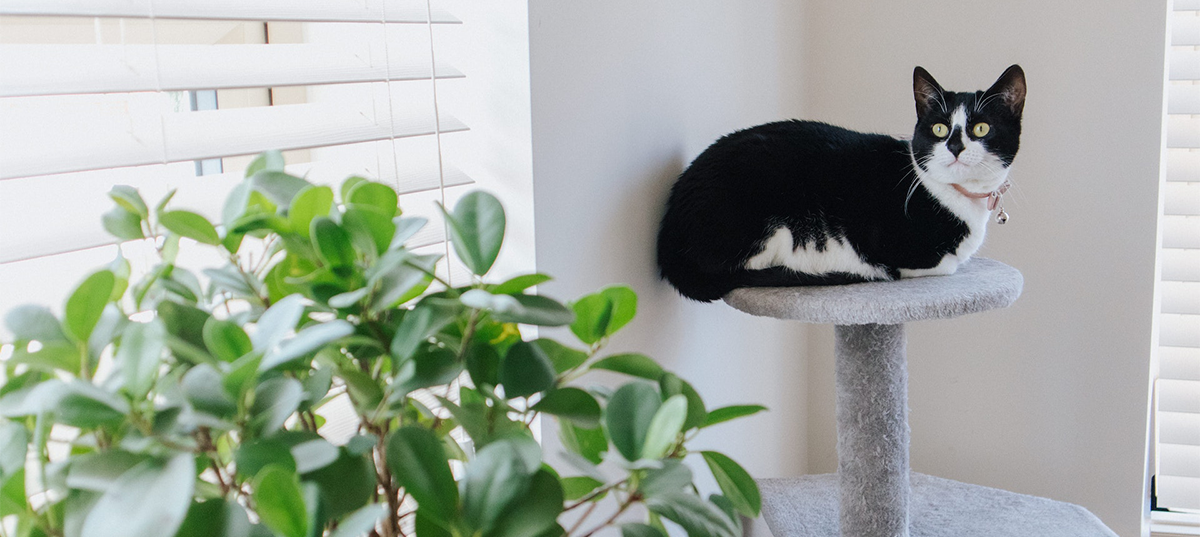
(981,129)
(940,130)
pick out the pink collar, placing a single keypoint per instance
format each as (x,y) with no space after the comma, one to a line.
(993,197)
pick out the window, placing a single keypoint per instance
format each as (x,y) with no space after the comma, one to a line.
(1177,390)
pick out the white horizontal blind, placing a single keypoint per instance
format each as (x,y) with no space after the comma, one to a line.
(95,93)
(1177,480)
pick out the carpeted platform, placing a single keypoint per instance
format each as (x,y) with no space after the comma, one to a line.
(808,507)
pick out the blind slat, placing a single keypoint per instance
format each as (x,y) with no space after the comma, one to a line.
(1183,132)
(74,69)
(1179,428)
(1187,5)
(1179,330)
(1179,460)
(1178,492)
(1179,363)
(1176,395)
(401,11)
(1184,64)
(1185,28)
(1182,199)
(1183,99)
(202,135)
(21,206)
(1180,265)
(1181,231)
(1183,166)
(1181,297)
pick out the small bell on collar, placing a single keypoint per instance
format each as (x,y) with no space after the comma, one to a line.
(1001,216)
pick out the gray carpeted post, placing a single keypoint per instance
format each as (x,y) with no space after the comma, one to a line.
(872,425)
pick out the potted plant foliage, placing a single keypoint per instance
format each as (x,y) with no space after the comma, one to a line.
(160,406)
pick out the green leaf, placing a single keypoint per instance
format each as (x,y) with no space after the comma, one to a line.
(499,475)
(477,230)
(100,470)
(633,364)
(203,387)
(637,529)
(140,355)
(225,339)
(349,185)
(316,386)
(433,366)
(377,196)
(695,515)
(185,324)
(424,320)
(736,484)
(310,202)
(671,385)
(575,488)
(332,242)
(86,406)
(536,310)
(406,227)
(727,413)
(277,321)
(592,314)
(563,357)
(278,186)
(591,444)
(149,500)
(730,511)
(526,370)
(14,441)
(519,284)
(416,458)
(396,278)
(87,303)
(274,401)
(122,224)
(254,455)
(349,482)
(358,523)
(32,322)
(307,341)
(313,455)
(266,161)
(279,502)
(129,199)
(162,203)
(372,231)
(628,417)
(573,404)
(56,355)
(190,225)
(241,374)
(483,363)
(664,427)
(535,512)
(672,478)
(215,518)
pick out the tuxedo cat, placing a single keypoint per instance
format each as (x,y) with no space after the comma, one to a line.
(807,203)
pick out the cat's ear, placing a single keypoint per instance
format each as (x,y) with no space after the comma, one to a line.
(926,91)
(1010,87)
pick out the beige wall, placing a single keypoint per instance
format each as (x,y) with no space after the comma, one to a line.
(1048,397)
(625,93)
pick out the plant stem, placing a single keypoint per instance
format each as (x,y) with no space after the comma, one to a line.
(624,505)
(586,514)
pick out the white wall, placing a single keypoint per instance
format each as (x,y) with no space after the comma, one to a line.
(1048,397)
(625,93)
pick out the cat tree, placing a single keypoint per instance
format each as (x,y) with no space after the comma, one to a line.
(874,494)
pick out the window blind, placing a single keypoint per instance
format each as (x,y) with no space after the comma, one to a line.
(95,93)
(1177,482)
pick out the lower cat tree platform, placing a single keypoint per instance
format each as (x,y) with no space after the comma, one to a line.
(874,494)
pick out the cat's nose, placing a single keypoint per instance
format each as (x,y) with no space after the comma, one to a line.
(955,143)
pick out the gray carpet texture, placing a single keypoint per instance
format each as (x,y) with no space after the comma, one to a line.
(808,507)
(980,284)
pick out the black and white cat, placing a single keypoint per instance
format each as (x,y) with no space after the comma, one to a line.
(807,203)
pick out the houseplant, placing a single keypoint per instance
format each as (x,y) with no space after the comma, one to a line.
(158,405)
